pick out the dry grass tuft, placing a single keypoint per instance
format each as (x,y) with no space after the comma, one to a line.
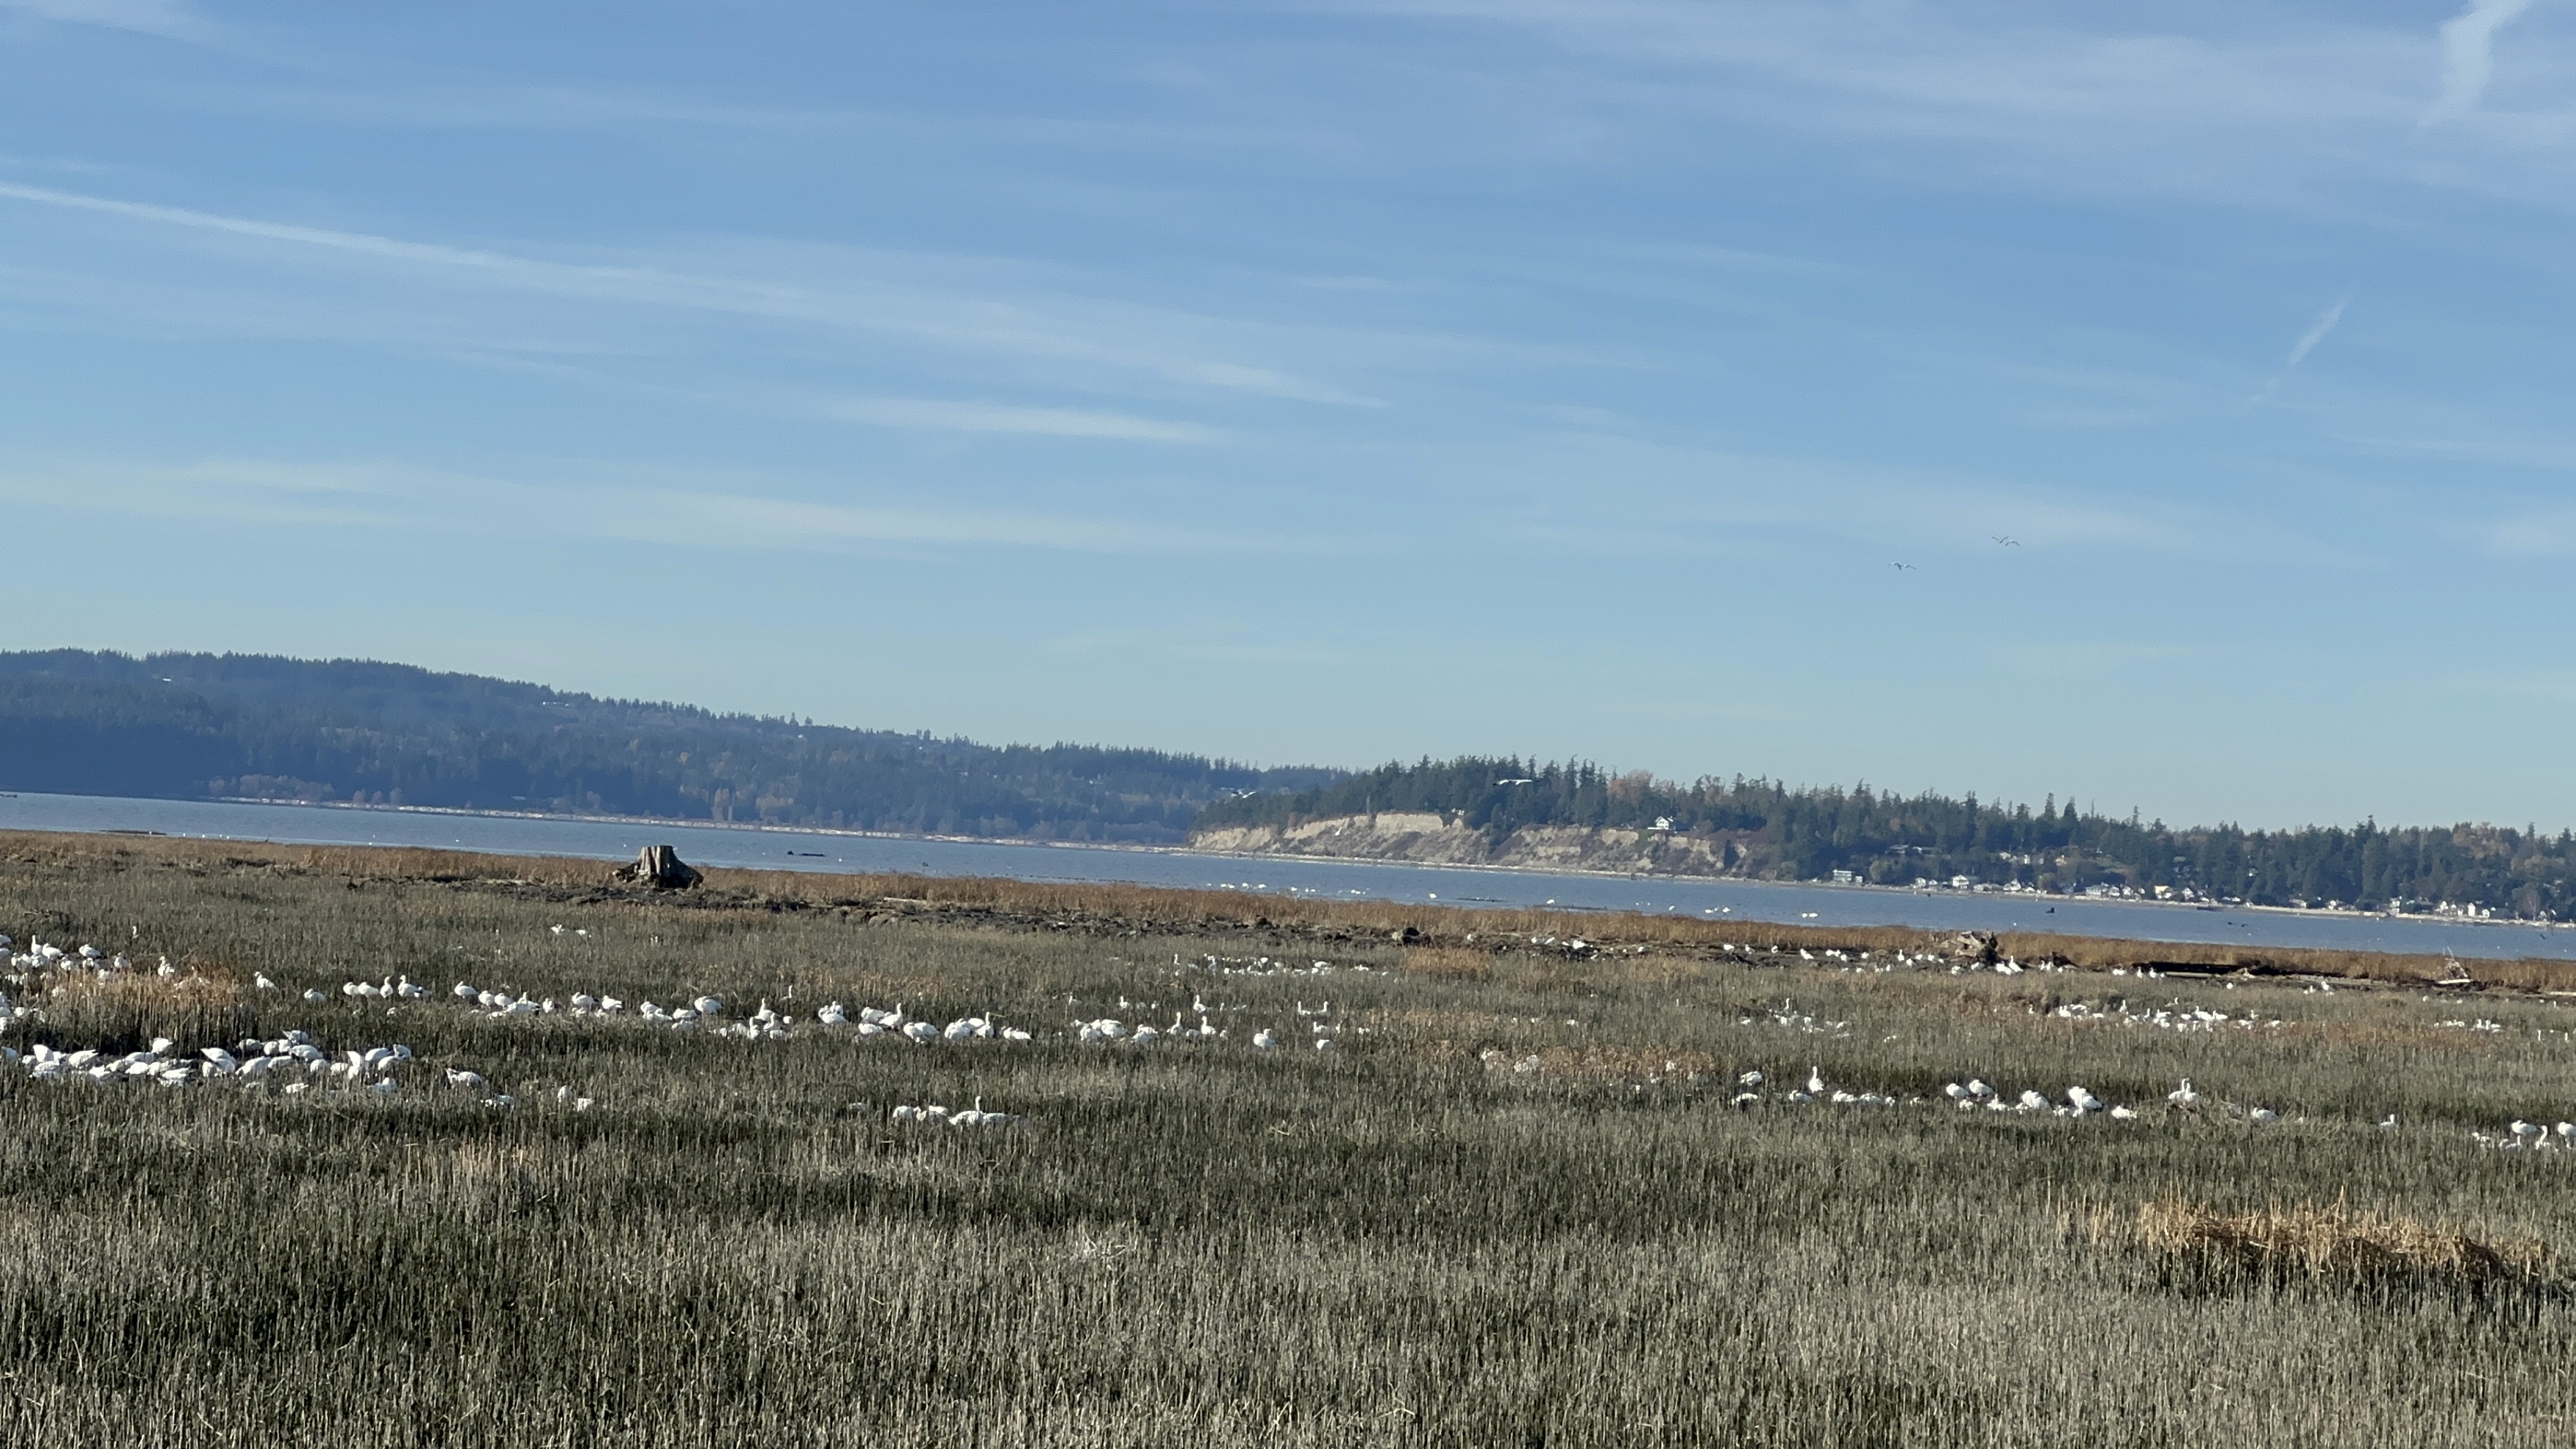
(195,988)
(2322,1244)
(201,1001)
(1450,963)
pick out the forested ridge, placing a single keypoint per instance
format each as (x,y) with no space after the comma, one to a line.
(1808,833)
(195,726)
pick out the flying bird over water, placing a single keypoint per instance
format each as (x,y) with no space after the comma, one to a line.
(2007,540)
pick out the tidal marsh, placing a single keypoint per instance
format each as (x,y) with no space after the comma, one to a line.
(1513,1204)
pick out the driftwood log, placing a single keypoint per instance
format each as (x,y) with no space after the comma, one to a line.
(660,867)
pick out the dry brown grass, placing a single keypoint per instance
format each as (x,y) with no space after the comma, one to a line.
(1450,963)
(2327,1244)
(1144,908)
(138,1004)
(1385,1243)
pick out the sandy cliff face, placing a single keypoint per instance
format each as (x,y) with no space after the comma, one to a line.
(1431,839)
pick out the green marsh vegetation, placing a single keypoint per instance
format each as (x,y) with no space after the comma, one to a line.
(1513,1206)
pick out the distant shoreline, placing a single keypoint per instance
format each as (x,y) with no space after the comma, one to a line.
(841,832)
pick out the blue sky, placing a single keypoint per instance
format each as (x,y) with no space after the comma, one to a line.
(1325,383)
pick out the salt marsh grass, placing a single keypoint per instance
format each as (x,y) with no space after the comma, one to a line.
(1405,1240)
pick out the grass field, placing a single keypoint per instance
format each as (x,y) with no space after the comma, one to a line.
(1513,1204)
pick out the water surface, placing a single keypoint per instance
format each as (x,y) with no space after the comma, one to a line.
(767,848)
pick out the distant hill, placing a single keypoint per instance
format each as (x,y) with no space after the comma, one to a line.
(195,726)
(1514,812)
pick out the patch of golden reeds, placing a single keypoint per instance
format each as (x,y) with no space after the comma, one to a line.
(1450,963)
(2319,1243)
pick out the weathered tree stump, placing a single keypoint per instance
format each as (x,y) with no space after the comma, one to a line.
(660,867)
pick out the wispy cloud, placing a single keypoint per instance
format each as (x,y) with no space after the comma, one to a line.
(2556,687)
(2543,532)
(2259,106)
(2468,54)
(345,241)
(707,516)
(168,18)
(986,417)
(1139,340)
(2299,350)
(2317,331)
(1214,640)
(1647,498)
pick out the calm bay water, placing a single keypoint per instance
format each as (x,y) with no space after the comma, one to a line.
(769,849)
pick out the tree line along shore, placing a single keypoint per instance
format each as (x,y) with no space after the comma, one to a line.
(198,726)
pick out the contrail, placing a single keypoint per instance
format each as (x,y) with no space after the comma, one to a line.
(2468,54)
(2317,331)
(2300,349)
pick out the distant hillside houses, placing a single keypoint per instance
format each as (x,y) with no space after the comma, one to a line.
(1859,836)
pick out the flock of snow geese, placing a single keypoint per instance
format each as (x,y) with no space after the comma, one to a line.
(2081,1103)
(295,1063)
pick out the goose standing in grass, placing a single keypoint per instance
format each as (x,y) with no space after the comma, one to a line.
(2263,1114)
(1815,1082)
(2083,1101)
(2183,1096)
(1262,1040)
